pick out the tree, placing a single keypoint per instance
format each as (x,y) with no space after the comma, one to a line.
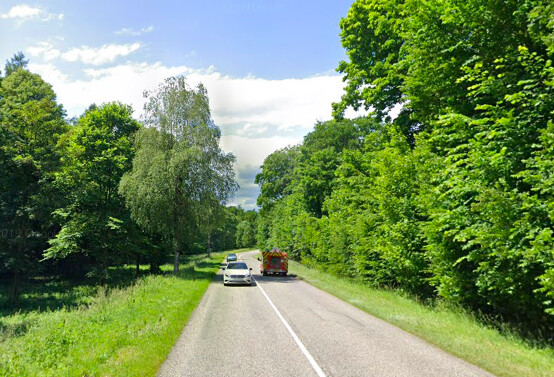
(224,236)
(411,52)
(476,77)
(98,150)
(372,37)
(246,234)
(321,154)
(488,233)
(31,123)
(296,182)
(179,172)
(276,176)
(18,61)
(453,197)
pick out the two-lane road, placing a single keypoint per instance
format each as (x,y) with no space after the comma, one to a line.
(281,326)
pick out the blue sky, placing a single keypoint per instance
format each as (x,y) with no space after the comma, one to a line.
(268,65)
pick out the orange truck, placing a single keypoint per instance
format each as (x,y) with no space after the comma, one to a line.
(274,262)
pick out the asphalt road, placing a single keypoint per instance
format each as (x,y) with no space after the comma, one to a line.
(281,326)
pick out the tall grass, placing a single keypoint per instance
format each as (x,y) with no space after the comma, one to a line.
(125,331)
(452,329)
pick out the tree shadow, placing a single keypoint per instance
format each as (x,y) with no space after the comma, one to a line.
(193,273)
(289,278)
(51,293)
(43,293)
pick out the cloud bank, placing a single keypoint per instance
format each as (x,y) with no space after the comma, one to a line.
(257,116)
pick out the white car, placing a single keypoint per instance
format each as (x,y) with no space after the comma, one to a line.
(237,273)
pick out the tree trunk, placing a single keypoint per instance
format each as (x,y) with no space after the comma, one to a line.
(154,268)
(138,265)
(103,274)
(176,262)
(14,291)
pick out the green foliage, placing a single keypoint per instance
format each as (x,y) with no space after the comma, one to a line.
(371,36)
(180,176)
(31,123)
(97,151)
(538,206)
(246,230)
(18,61)
(224,236)
(375,216)
(320,156)
(246,236)
(276,175)
(126,331)
(486,229)
(410,52)
(453,197)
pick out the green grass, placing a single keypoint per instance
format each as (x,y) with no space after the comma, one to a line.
(88,331)
(453,330)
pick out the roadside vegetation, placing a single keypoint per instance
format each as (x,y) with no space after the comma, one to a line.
(81,196)
(126,328)
(92,210)
(452,329)
(444,190)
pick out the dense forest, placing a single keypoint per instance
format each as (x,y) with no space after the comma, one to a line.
(446,190)
(79,196)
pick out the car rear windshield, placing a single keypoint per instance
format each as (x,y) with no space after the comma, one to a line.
(237,266)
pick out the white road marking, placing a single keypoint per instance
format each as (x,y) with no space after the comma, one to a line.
(311,360)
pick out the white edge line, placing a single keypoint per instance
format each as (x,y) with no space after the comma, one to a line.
(311,360)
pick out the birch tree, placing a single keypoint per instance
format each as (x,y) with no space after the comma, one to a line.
(179,171)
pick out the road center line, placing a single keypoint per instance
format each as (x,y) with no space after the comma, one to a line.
(311,360)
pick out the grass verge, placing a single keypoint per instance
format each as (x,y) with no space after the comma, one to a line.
(452,330)
(125,331)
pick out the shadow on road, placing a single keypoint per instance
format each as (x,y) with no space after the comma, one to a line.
(276,278)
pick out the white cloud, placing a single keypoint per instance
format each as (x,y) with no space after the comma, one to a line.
(287,104)
(259,105)
(253,150)
(251,129)
(24,12)
(274,109)
(99,55)
(124,83)
(251,153)
(46,50)
(51,75)
(85,54)
(134,33)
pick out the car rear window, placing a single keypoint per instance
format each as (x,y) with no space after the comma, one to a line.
(237,266)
